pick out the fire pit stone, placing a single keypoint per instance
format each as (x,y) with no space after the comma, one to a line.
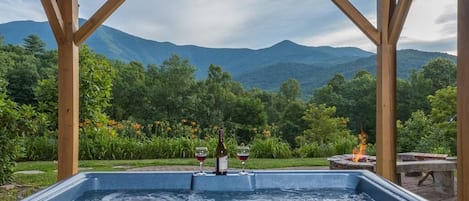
(341,162)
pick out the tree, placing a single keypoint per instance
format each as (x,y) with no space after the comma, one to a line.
(443,115)
(244,115)
(411,131)
(34,45)
(290,89)
(337,82)
(292,123)
(441,72)
(46,93)
(96,77)
(8,138)
(177,79)
(129,91)
(323,126)
(95,88)
(412,95)
(215,97)
(21,81)
(355,99)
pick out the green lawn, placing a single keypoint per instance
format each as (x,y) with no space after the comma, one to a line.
(29,184)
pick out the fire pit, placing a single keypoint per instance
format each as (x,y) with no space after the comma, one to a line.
(345,162)
(436,165)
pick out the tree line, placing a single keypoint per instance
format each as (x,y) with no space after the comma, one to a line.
(133,100)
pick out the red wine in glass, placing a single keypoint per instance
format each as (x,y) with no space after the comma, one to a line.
(243,153)
(243,157)
(201,154)
(201,158)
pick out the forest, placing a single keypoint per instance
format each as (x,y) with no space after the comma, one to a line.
(133,111)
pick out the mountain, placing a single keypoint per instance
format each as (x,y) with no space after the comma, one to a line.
(311,76)
(265,68)
(119,45)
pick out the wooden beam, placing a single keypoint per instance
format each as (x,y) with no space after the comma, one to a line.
(68,76)
(397,21)
(96,20)
(55,19)
(462,101)
(386,96)
(358,19)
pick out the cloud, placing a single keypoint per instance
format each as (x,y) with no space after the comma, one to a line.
(258,23)
(12,10)
(447,44)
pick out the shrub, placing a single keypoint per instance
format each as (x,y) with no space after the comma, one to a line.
(271,147)
(345,145)
(8,138)
(40,147)
(317,150)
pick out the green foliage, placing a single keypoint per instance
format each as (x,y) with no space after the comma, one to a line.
(291,124)
(95,84)
(290,89)
(355,99)
(443,115)
(323,127)
(8,138)
(371,149)
(248,111)
(270,147)
(411,131)
(165,108)
(40,148)
(32,122)
(316,149)
(46,93)
(22,79)
(434,133)
(34,45)
(443,104)
(441,72)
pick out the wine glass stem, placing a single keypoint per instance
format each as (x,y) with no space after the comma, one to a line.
(201,163)
(243,163)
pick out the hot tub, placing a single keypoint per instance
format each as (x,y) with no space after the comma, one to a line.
(183,185)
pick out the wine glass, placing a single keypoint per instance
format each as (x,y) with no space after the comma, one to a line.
(201,154)
(243,153)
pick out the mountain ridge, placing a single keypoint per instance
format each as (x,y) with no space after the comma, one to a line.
(312,66)
(116,44)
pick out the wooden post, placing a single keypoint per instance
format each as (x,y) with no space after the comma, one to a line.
(463,101)
(386,95)
(63,19)
(391,18)
(68,92)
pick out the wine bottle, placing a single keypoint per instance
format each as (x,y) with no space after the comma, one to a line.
(221,155)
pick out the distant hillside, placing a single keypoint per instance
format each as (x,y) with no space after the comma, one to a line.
(263,68)
(116,44)
(313,76)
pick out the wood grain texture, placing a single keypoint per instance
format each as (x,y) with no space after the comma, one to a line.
(463,101)
(96,20)
(359,20)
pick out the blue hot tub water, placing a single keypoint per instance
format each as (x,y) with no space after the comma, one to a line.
(258,185)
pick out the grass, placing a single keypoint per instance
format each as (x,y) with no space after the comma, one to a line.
(28,184)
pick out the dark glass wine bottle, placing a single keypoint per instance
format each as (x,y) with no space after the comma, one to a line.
(221,155)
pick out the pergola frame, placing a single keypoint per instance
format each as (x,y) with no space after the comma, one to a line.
(63,19)
(391,18)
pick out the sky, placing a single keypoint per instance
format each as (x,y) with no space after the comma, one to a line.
(255,24)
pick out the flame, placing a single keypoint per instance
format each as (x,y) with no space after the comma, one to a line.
(357,154)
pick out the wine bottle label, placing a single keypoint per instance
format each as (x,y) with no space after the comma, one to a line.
(223,163)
